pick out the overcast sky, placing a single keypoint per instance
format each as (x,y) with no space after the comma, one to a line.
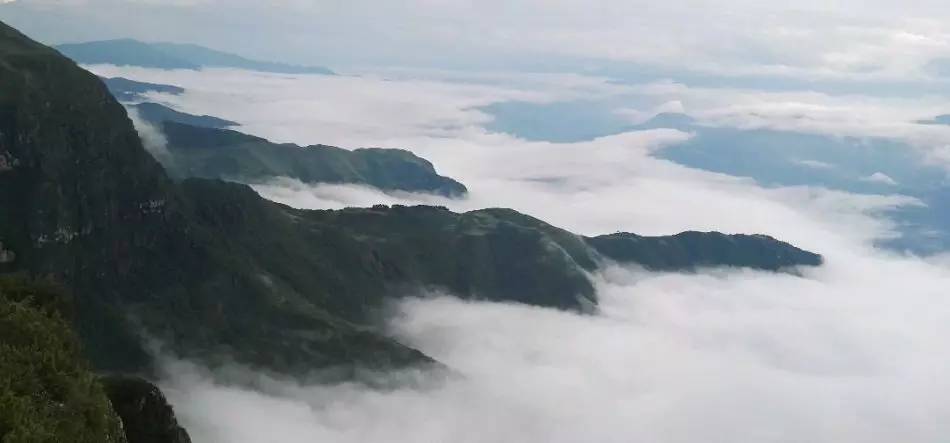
(804,39)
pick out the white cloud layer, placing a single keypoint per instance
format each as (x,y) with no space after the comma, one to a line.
(852,351)
(419,109)
(880,177)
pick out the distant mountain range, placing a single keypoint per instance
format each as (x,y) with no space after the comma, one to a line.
(772,157)
(129,52)
(202,146)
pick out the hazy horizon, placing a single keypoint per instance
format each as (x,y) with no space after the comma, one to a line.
(811,41)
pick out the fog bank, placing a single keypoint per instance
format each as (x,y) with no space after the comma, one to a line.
(851,352)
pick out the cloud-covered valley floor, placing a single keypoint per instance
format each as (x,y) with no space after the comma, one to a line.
(851,351)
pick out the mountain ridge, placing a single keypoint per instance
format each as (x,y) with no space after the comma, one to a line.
(164,55)
(158,114)
(126,90)
(222,153)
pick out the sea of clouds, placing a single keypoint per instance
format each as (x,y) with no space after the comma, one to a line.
(851,351)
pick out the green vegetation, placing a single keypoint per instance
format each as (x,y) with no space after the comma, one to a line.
(219,153)
(47,392)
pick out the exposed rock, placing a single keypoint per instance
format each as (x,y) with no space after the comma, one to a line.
(145,413)
(6,256)
(7,162)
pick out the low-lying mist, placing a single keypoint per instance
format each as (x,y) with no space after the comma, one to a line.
(853,351)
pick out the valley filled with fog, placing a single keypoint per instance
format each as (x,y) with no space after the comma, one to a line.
(849,351)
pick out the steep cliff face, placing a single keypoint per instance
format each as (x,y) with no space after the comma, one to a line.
(80,198)
(146,415)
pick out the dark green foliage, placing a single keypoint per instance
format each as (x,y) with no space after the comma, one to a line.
(47,392)
(314,274)
(146,415)
(218,153)
(690,250)
(489,254)
(157,115)
(130,90)
(124,52)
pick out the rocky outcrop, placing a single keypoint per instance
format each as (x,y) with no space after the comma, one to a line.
(7,162)
(6,256)
(146,415)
